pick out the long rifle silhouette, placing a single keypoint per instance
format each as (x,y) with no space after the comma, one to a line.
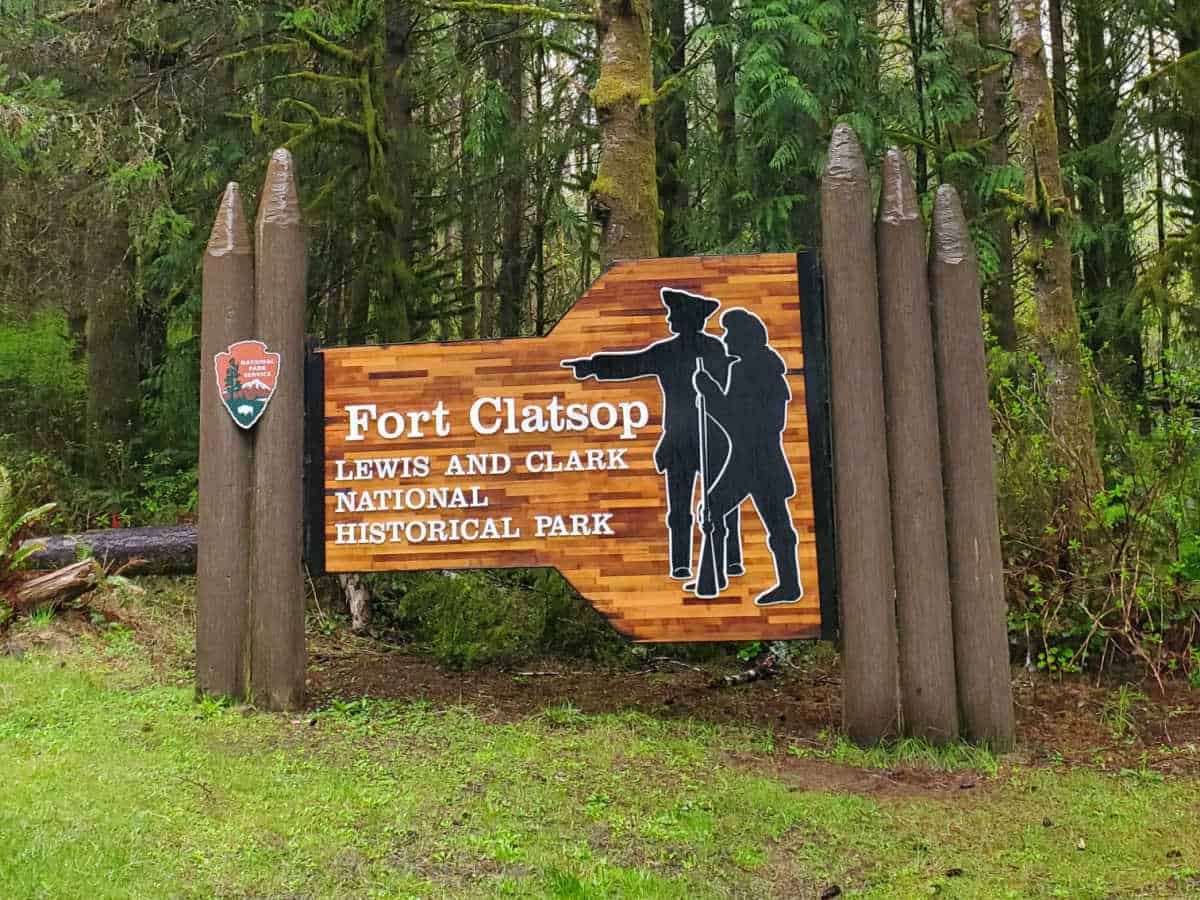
(708,581)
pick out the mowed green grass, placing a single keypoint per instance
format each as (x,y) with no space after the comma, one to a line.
(116,783)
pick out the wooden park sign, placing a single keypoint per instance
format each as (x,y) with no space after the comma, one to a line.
(671,447)
(585,450)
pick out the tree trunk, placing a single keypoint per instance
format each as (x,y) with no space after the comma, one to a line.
(1047,217)
(972,526)
(1187,33)
(672,124)
(1126,347)
(928,701)
(916,46)
(398,283)
(513,271)
(998,293)
(112,341)
(548,180)
(726,115)
(1095,122)
(488,200)
(487,295)
(960,25)
(586,229)
(625,192)
(1108,264)
(1160,233)
(466,197)
(865,570)
(1058,75)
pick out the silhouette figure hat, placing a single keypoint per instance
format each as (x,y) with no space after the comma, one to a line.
(689,307)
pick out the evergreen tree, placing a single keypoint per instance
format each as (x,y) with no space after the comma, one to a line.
(233,380)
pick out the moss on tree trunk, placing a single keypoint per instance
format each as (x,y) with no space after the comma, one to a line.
(1048,257)
(998,292)
(112,345)
(959,22)
(625,192)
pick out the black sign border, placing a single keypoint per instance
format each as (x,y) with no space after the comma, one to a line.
(314,459)
(813,341)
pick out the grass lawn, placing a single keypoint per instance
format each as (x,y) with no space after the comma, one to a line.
(117,783)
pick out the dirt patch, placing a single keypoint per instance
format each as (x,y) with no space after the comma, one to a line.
(1072,720)
(1113,724)
(801,703)
(805,774)
(56,636)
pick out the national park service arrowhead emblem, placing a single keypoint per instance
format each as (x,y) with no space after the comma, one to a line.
(246,376)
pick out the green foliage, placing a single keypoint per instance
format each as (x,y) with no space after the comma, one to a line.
(26,105)
(952,757)
(469,621)
(804,65)
(489,115)
(42,381)
(13,524)
(1117,712)
(187,798)
(1127,591)
(472,619)
(41,617)
(338,18)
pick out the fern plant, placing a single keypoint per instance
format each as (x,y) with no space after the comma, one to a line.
(12,523)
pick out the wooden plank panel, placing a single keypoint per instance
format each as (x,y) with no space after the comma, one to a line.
(626,574)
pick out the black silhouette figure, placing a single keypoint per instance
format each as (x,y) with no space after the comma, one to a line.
(752,411)
(673,362)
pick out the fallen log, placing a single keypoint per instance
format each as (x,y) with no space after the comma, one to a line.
(57,587)
(167,550)
(765,666)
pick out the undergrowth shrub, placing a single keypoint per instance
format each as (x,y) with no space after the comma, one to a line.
(42,383)
(43,397)
(495,617)
(1127,589)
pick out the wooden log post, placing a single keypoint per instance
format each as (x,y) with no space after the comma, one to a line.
(928,701)
(976,567)
(277,654)
(222,560)
(864,534)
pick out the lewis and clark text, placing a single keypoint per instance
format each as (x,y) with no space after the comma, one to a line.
(464,518)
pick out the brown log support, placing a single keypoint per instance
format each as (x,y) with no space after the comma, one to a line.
(976,566)
(866,589)
(277,653)
(928,701)
(222,560)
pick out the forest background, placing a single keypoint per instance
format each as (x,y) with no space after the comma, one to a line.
(461,163)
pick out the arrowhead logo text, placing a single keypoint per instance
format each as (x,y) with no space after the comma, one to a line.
(246,376)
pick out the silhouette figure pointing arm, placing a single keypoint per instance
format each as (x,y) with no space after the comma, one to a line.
(618,366)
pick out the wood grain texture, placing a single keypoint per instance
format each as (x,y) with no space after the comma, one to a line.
(976,565)
(625,575)
(866,587)
(277,652)
(928,701)
(221,560)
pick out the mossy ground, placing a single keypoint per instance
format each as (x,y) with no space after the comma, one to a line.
(119,784)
